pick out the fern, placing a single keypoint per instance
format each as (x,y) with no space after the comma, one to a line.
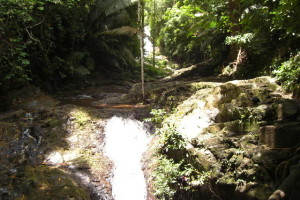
(112,6)
(80,71)
(107,7)
(126,30)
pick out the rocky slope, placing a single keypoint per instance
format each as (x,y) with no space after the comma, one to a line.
(239,137)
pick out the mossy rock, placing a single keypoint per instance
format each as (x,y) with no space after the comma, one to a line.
(81,117)
(40,182)
(53,122)
(8,131)
(233,128)
(203,159)
(260,193)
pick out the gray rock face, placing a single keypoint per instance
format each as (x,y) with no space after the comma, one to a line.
(253,119)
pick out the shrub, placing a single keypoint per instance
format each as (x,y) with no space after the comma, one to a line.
(288,73)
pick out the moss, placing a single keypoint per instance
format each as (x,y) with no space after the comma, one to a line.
(8,131)
(201,85)
(250,126)
(52,183)
(227,179)
(261,193)
(53,122)
(89,159)
(81,117)
(55,138)
(42,182)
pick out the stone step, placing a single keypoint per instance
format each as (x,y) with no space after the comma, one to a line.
(288,110)
(283,135)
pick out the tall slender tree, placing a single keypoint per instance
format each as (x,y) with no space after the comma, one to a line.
(141,27)
(154,32)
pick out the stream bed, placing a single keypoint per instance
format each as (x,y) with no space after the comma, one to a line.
(77,147)
(125,139)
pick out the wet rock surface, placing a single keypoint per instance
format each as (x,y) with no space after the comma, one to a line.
(51,149)
(244,133)
(25,139)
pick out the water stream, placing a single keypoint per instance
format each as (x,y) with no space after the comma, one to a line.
(126,141)
(148,44)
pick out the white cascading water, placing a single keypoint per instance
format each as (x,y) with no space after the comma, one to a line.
(126,141)
(148,44)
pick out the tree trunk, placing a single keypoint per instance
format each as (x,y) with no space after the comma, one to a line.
(154,33)
(141,26)
(235,28)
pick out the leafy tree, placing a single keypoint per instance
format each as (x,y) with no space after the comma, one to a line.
(245,35)
(184,32)
(48,42)
(288,73)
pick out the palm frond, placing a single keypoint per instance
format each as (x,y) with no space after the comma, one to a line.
(108,7)
(112,6)
(126,30)
(128,57)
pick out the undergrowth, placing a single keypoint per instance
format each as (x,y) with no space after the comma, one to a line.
(171,174)
(288,73)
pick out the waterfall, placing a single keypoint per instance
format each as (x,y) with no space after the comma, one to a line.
(148,44)
(126,141)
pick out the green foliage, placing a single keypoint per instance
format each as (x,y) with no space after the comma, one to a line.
(188,35)
(192,31)
(284,17)
(289,73)
(164,177)
(171,138)
(161,68)
(239,39)
(158,116)
(14,58)
(152,73)
(168,170)
(54,41)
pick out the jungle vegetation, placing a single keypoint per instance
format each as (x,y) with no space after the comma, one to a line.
(50,42)
(239,37)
